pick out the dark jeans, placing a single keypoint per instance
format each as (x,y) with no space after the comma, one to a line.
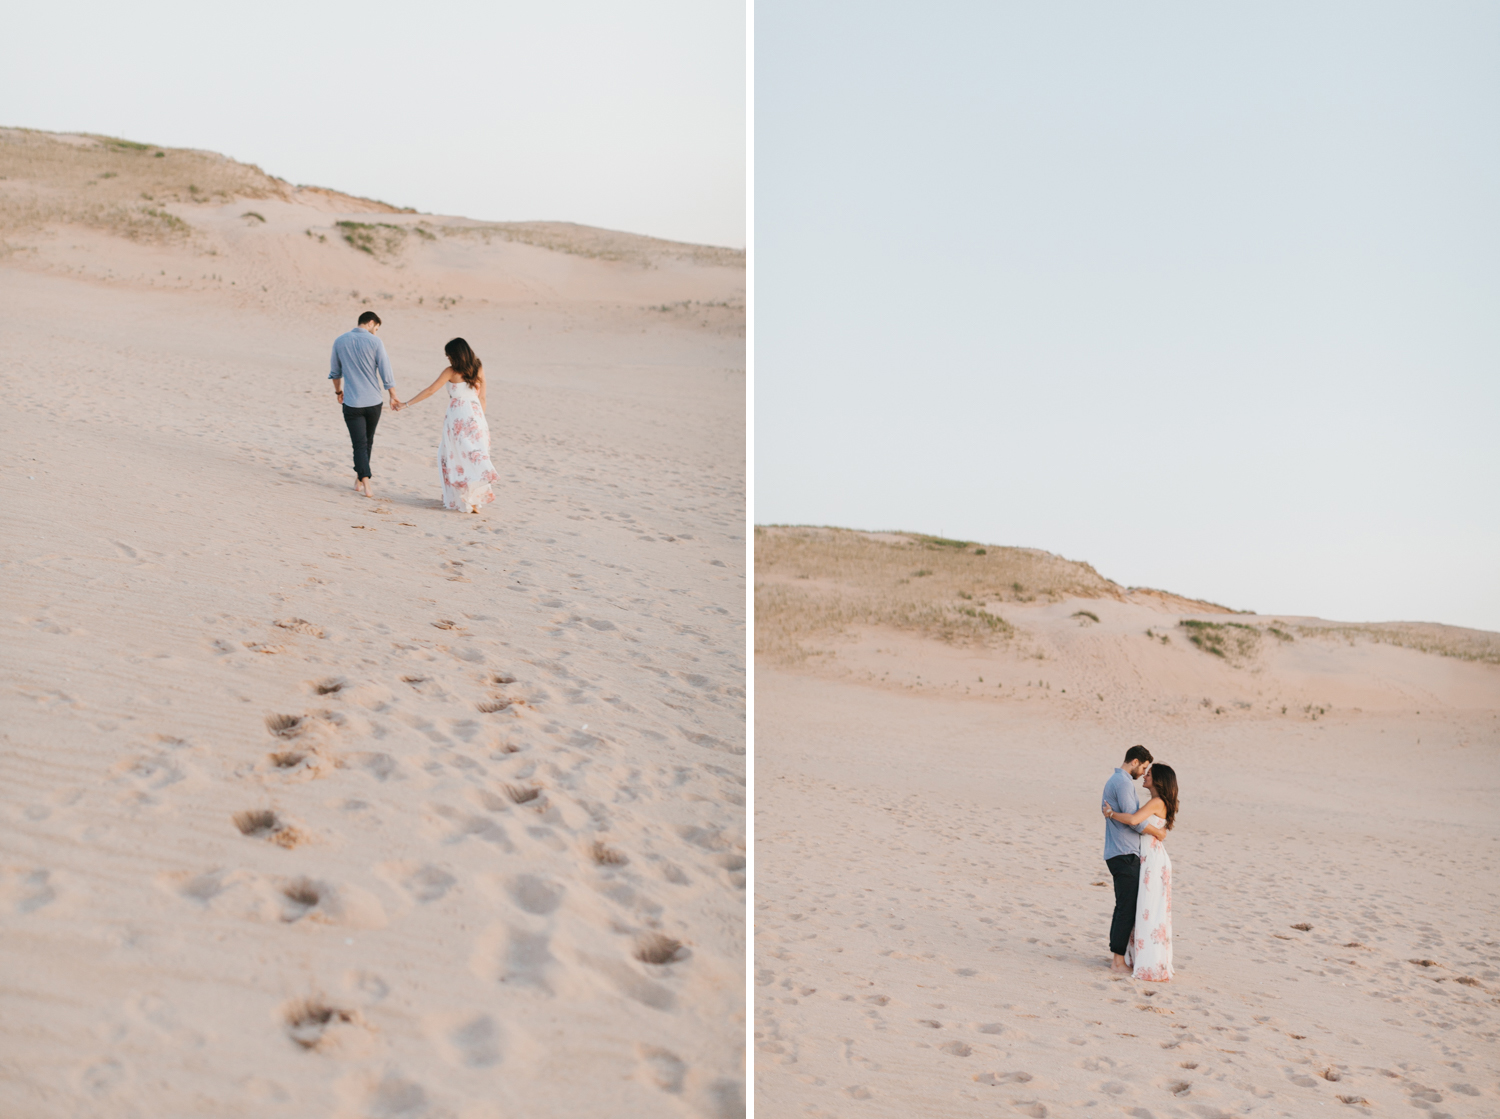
(1126,871)
(361,422)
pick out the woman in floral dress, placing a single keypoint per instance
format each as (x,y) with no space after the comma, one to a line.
(464,452)
(1150,949)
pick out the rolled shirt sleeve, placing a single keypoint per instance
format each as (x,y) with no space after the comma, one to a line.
(336,369)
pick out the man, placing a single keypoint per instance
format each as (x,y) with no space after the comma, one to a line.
(360,359)
(1122,850)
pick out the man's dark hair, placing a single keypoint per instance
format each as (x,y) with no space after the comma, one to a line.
(1138,754)
(368,316)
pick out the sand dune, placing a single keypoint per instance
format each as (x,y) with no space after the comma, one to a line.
(322,806)
(930,920)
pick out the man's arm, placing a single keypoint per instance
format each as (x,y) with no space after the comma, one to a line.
(336,374)
(383,359)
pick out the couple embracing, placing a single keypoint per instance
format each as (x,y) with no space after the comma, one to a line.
(360,369)
(1140,936)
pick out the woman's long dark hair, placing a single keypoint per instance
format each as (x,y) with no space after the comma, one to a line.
(1164,782)
(465,361)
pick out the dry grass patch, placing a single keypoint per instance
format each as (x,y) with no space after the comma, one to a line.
(1425,637)
(597,244)
(816,581)
(116,185)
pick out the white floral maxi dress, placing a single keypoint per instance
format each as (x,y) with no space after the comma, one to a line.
(1150,948)
(464,453)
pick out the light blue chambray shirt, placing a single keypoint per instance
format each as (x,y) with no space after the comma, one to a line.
(1121,794)
(360,359)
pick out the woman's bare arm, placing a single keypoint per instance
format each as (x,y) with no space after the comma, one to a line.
(442,379)
(1154,807)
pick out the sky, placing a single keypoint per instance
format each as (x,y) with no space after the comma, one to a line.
(629,116)
(1207,296)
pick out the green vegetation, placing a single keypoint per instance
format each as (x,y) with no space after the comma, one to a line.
(252,214)
(380,240)
(980,552)
(920,572)
(941,542)
(1089,614)
(1230,641)
(123,145)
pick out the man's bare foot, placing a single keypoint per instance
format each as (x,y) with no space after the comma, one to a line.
(1118,964)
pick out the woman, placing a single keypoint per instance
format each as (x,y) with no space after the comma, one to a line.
(464,453)
(1150,949)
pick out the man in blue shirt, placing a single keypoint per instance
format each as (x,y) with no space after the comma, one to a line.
(1122,850)
(359,369)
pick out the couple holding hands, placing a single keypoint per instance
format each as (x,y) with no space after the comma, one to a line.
(360,369)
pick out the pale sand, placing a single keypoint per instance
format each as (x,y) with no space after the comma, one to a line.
(932,904)
(185,558)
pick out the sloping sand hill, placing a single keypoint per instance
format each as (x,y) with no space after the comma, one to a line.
(316,805)
(931,900)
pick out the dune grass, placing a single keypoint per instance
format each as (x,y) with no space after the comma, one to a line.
(380,239)
(1425,637)
(1231,641)
(119,186)
(815,582)
(596,244)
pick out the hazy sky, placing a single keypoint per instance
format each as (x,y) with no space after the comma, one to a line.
(628,115)
(1205,295)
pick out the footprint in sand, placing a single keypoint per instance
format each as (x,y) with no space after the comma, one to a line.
(514,956)
(265,824)
(101,1078)
(387,1096)
(467,1041)
(422,882)
(535,895)
(382,767)
(316,1024)
(661,1068)
(25,890)
(301,625)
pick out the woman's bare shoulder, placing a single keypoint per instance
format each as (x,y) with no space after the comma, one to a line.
(452,374)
